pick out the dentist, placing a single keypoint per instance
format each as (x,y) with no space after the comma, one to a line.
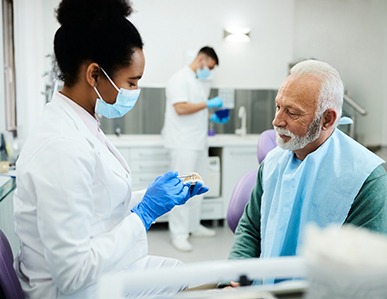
(74,209)
(185,136)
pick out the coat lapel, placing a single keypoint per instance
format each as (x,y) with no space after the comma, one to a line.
(107,152)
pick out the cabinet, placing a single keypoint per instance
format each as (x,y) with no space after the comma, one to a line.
(7,186)
(236,162)
(146,163)
(148,158)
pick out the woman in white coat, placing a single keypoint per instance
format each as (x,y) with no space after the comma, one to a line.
(74,210)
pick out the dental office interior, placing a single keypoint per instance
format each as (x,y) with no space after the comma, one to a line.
(351,35)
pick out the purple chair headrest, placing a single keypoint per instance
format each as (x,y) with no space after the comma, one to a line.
(239,198)
(242,190)
(266,142)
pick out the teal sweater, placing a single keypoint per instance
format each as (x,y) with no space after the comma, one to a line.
(369,210)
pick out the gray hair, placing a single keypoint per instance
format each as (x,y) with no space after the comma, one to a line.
(332,87)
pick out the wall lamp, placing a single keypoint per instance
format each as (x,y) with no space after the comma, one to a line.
(237,35)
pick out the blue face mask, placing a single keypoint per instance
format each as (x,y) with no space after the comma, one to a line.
(203,73)
(125,101)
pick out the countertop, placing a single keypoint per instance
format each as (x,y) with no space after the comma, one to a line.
(137,140)
(7,184)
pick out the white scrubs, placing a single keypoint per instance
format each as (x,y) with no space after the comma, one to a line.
(72,208)
(186,137)
(186,218)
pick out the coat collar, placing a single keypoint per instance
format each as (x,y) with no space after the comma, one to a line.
(60,99)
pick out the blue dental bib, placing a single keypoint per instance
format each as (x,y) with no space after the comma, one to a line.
(319,189)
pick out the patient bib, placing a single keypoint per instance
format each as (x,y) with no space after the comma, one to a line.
(319,189)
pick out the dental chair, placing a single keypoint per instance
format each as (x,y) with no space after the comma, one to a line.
(242,190)
(9,283)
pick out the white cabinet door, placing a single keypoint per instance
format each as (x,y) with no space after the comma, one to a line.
(149,154)
(150,166)
(236,162)
(146,163)
(7,223)
(212,209)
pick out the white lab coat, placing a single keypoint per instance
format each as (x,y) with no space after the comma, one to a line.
(72,209)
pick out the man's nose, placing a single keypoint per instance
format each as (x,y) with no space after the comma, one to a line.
(278,120)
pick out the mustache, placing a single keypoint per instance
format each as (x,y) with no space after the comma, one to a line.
(283,131)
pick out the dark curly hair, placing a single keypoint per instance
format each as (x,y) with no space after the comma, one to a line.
(96,31)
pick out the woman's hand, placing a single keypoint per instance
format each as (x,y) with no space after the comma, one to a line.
(164,193)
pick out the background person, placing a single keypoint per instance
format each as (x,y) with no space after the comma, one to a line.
(317,173)
(185,134)
(74,210)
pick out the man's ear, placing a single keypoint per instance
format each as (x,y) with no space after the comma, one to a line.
(329,119)
(92,73)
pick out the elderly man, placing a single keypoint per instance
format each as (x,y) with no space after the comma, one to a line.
(316,174)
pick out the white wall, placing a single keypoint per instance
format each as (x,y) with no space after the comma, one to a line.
(51,25)
(170,28)
(384,87)
(29,60)
(349,34)
(173,28)
(352,36)
(2,93)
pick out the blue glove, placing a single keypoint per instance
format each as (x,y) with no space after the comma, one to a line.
(216,102)
(165,192)
(215,119)
(197,189)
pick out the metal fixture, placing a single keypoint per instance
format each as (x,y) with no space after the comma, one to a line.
(358,109)
(237,35)
(242,115)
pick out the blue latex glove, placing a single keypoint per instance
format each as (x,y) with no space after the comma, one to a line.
(197,189)
(165,192)
(216,102)
(215,119)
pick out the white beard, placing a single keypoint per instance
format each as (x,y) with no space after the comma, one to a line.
(298,142)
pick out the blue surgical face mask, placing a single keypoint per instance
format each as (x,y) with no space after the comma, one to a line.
(203,73)
(125,101)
